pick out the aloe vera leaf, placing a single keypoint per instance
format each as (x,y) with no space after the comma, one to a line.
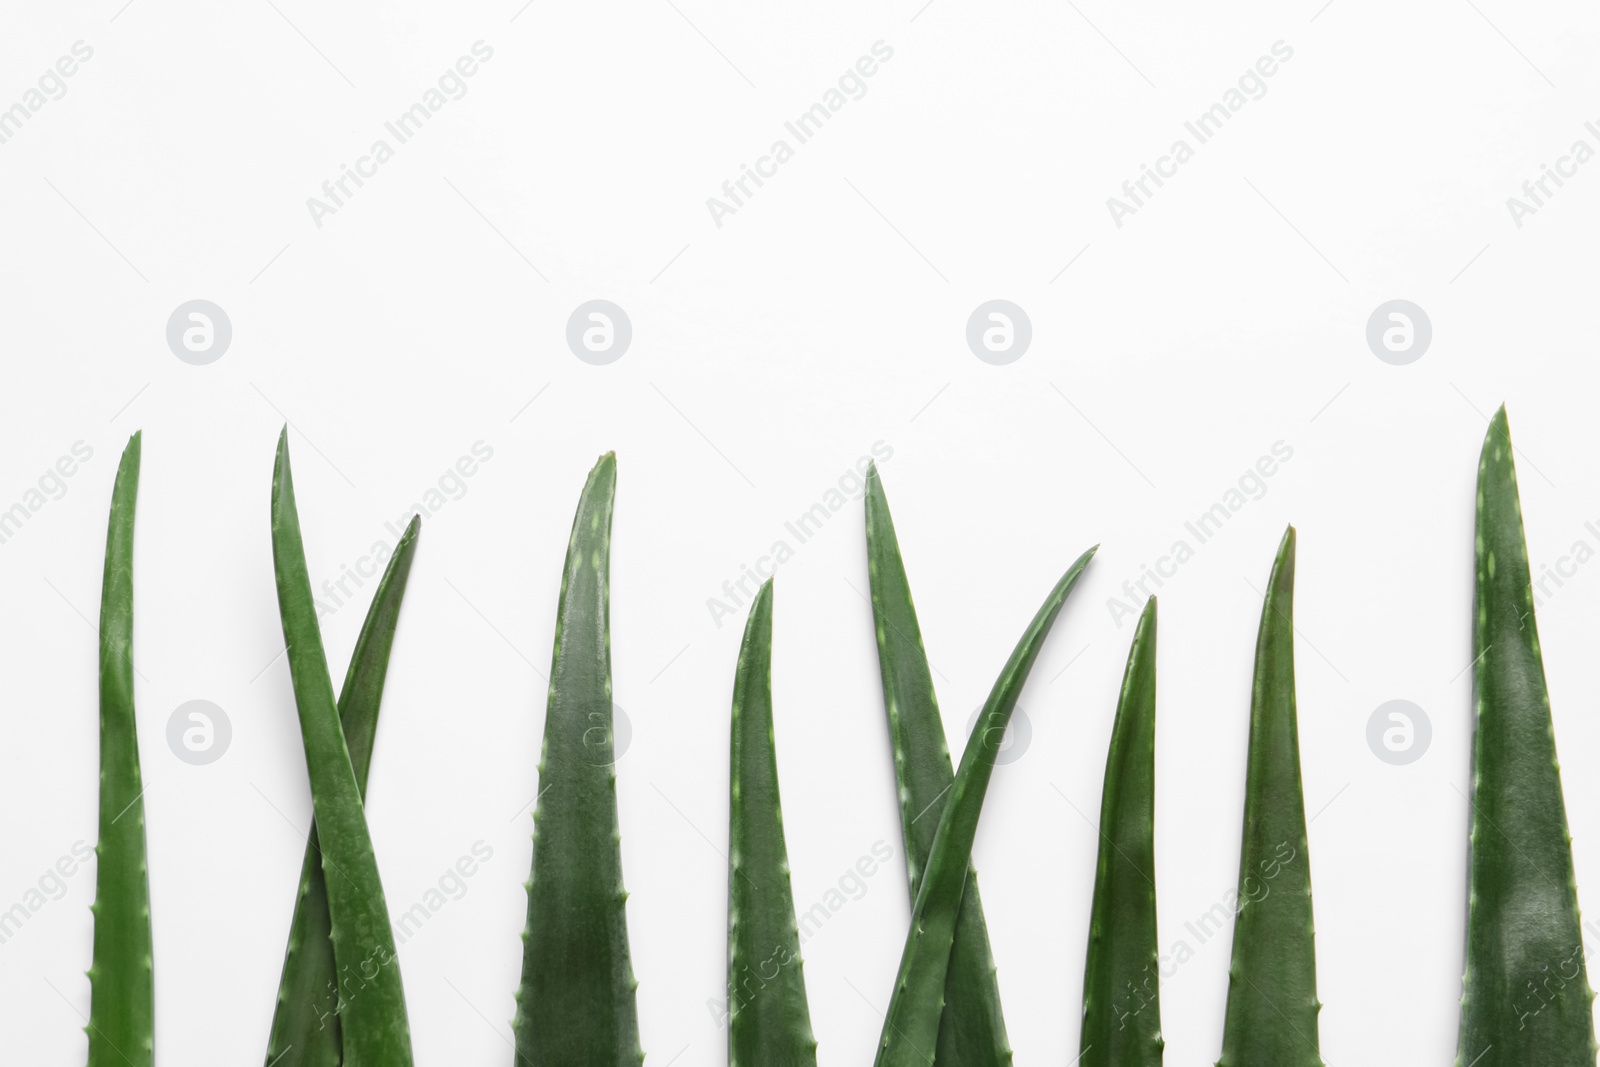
(372,1006)
(1526,992)
(576,1003)
(1121,979)
(305,1026)
(972,1030)
(769,1023)
(122,997)
(911,1025)
(1272,1008)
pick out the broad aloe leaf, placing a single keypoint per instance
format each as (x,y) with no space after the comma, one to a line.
(1527,997)
(122,1000)
(1121,979)
(1272,986)
(576,1005)
(972,1030)
(305,1027)
(911,1027)
(372,1015)
(769,1023)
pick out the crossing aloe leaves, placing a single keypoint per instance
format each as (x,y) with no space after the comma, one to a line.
(1121,990)
(1526,992)
(911,1026)
(972,1030)
(1272,1008)
(372,1008)
(305,1027)
(769,1023)
(576,1003)
(122,999)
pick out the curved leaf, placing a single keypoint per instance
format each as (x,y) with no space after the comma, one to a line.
(576,1005)
(972,1030)
(1272,984)
(305,1026)
(372,1005)
(1526,997)
(1121,980)
(769,1022)
(911,1026)
(122,998)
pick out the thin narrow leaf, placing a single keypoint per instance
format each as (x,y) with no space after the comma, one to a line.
(122,999)
(972,1030)
(911,1026)
(769,1024)
(1272,986)
(1121,980)
(305,1026)
(1527,998)
(372,1016)
(576,1003)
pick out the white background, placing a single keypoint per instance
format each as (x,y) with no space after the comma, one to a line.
(769,355)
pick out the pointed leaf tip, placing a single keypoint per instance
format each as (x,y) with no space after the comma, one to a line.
(760,607)
(1281,581)
(281,458)
(1499,431)
(1286,544)
(128,465)
(603,473)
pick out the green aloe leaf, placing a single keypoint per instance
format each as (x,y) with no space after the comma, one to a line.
(1121,979)
(576,1004)
(972,1030)
(122,999)
(372,1014)
(1272,985)
(1526,993)
(305,1026)
(911,1026)
(769,1023)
